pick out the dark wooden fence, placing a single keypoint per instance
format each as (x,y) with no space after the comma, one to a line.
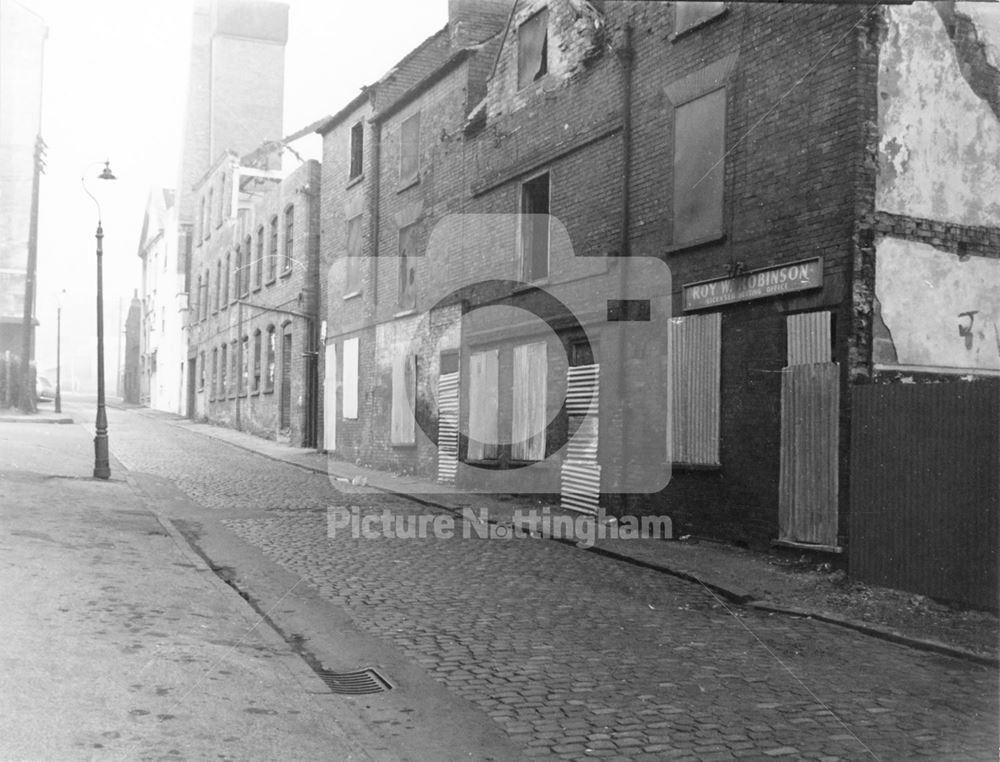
(925,488)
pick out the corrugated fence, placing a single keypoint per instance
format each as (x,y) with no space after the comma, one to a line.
(925,488)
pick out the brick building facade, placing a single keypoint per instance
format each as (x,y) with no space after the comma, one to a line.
(757,150)
(254,304)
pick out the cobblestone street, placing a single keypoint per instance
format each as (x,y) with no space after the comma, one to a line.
(577,656)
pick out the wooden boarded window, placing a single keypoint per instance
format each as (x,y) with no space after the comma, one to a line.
(809,338)
(535,228)
(483,405)
(695,354)
(533,49)
(409,150)
(350,389)
(352,284)
(690,14)
(404,395)
(699,147)
(357,150)
(407,268)
(529,419)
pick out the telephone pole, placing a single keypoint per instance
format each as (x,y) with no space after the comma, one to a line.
(28,339)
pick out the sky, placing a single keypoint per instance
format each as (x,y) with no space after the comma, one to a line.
(114,89)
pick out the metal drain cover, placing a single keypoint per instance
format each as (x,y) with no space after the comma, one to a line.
(354,683)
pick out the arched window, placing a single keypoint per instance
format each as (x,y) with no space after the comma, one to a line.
(218,283)
(244,364)
(272,254)
(257,338)
(223,371)
(260,256)
(269,375)
(289,238)
(247,263)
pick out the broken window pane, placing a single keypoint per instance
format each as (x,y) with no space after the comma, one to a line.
(533,49)
(699,146)
(690,15)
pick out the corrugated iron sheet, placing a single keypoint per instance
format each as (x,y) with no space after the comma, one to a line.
(810,414)
(447,398)
(809,338)
(580,486)
(925,488)
(694,377)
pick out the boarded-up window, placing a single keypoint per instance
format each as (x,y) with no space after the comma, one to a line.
(695,348)
(689,15)
(407,267)
(535,228)
(350,388)
(483,405)
(699,145)
(533,49)
(529,419)
(409,149)
(352,283)
(357,149)
(809,338)
(404,395)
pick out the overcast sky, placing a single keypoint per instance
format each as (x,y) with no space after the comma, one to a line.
(115,78)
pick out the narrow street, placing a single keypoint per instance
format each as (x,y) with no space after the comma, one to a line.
(570,655)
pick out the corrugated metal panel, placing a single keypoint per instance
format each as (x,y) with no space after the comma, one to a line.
(695,343)
(809,338)
(810,414)
(529,419)
(447,427)
(483,404)
(925,488)
(580,486)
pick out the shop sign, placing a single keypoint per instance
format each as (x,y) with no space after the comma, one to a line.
(759,284)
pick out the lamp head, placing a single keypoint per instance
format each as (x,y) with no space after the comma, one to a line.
(106,173)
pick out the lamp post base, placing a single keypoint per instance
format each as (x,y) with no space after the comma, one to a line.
(102,463)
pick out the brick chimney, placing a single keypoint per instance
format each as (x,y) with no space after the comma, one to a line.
(471,22)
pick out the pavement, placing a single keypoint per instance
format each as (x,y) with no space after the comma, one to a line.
(203,585)
(119,643)
(735,575)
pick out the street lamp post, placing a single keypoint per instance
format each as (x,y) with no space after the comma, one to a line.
(59,351)
(102,460)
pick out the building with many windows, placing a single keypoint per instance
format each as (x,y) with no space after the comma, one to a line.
(253,315)
(784,169)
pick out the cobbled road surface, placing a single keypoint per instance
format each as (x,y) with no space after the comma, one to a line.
(577,656)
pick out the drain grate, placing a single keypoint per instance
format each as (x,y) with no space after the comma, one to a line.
(354,683)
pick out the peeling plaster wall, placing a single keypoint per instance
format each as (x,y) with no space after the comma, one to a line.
(940,311)
(986,19)
(939,147)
